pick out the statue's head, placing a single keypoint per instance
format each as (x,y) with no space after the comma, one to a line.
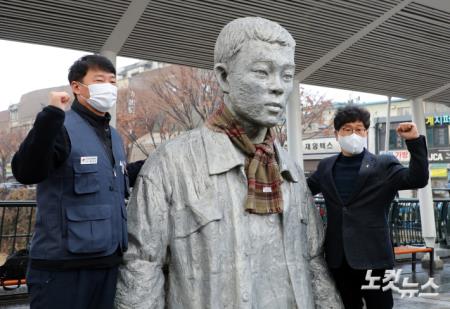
(254,65)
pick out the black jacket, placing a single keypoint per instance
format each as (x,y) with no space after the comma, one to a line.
(359,228)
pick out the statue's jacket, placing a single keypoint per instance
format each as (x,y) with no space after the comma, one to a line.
(187,213)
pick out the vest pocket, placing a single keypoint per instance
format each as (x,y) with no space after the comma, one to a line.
(86,179)
(89,229)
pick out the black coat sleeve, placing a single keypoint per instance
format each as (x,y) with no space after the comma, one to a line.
(314,182)
(133,171)
(44,149)
(414,176)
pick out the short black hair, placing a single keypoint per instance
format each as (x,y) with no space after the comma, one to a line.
(80,67)
(351,113)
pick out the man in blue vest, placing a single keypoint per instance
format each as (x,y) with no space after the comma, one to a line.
(79,164)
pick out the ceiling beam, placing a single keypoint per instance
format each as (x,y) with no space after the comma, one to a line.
(433,92)
(125,26)
(350,41)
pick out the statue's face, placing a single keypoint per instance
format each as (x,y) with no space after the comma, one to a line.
(260,79)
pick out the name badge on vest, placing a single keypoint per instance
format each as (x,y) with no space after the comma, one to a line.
(88,160)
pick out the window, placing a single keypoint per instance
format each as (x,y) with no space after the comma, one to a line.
(403,111)
(14,112)
(395,141)
(437,136)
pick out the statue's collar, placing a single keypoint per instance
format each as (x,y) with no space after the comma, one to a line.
(223,156)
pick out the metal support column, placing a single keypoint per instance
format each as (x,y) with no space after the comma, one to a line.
(388,126)
(425,195)
(372,138)
(294,125)
(112,57)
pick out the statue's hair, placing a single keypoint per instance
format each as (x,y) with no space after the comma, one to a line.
(239,31)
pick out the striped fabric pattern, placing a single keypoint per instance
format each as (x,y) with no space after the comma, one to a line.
(261,166)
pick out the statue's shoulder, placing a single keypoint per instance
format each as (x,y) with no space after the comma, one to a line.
(179,143)
(178,146)
(170,154)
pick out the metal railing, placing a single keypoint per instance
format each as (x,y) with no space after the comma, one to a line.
(17,221)
(404,221)
(16,225)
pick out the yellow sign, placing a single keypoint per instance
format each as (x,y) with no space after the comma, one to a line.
(437,120)
(440,172)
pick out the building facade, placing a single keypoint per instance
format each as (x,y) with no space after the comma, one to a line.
(437,120)
(437,132)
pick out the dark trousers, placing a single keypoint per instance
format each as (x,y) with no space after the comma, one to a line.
(75,289)
(349,282)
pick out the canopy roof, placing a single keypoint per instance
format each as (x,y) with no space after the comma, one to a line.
(389,47)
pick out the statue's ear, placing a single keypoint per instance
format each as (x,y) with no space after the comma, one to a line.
(221,71)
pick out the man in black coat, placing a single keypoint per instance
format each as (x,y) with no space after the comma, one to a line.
(358,188)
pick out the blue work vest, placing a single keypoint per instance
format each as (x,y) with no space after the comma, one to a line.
(81,206)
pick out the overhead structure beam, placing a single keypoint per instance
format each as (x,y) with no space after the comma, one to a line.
(301,76)
(406,56)
(119,36)
(294,129)
(434,92)
(126,24)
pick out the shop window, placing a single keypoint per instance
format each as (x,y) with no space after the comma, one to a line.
(438,136)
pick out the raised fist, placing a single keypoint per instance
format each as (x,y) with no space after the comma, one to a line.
(60,100)
(407,130)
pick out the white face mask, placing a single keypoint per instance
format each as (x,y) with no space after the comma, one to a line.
(101,96)
(353,144)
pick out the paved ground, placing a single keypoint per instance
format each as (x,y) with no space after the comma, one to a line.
(442,302)
(14,299)
(442,278)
